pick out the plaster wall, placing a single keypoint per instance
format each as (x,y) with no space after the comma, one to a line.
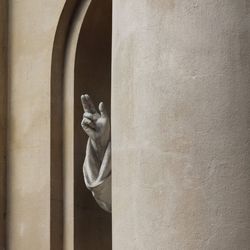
(3,115)
(180,124)
(31,35)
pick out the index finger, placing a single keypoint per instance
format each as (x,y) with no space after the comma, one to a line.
(91,105)
(85,104)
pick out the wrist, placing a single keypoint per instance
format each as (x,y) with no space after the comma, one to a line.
(103,140)
(100,146)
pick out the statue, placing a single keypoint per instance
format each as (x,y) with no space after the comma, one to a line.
(97,163)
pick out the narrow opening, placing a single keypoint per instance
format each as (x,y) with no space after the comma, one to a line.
(92,225)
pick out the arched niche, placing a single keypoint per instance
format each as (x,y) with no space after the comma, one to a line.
(93,76)
(81,63)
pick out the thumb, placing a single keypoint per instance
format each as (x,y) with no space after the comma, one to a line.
(103,110)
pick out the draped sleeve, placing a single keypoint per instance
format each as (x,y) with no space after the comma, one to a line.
(97,175)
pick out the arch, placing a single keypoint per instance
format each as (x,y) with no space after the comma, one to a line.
(65,233)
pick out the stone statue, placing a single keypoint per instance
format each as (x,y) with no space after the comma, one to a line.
(97,163)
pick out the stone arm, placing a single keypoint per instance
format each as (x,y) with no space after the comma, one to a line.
(97,163)
(97,175)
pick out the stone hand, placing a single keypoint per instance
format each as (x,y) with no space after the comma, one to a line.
(96,124)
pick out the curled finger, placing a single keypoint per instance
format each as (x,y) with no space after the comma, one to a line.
(87,122)
(89,116)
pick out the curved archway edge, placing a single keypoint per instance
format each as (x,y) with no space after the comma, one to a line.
(62,76)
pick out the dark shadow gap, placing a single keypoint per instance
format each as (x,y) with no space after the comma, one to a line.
(92,226)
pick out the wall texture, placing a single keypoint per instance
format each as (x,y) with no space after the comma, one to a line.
(3,116)
(180,124)
(47,205)
(32,30)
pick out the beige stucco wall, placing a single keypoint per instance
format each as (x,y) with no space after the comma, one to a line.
(48,207)
(180,124)
(32,30)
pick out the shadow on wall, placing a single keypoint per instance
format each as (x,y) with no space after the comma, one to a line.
(91,63)
(92,226)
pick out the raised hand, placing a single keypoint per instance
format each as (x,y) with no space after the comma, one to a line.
(95,124)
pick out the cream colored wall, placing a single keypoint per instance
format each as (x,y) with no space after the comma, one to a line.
(180,124)
(32,30)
